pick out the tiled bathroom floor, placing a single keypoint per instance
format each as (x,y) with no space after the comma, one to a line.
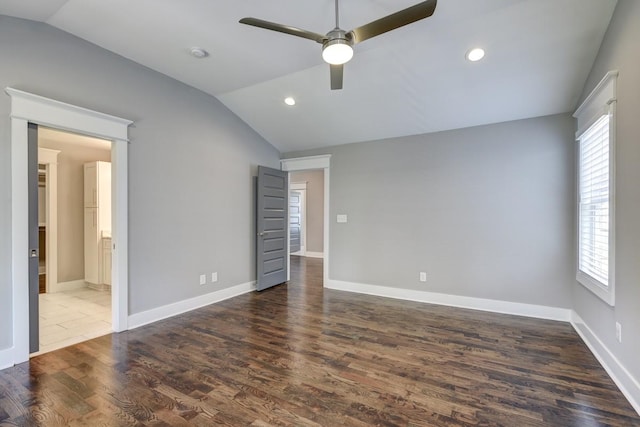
(71,317)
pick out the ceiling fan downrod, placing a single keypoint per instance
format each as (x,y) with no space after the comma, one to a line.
(337,49)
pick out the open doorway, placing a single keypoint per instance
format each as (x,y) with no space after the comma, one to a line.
(306,213)
(320,164)
(74,222)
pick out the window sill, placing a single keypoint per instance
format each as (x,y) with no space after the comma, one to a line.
(605,293)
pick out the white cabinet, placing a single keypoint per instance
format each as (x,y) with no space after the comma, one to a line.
(97,186)
(106,260)
(97,219)
(91,246)
(91,185)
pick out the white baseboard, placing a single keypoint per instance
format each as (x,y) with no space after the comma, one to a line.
(6,358)
(314,254)
(627,384)
(139,319)
(102,287)
(67,286)
(495,306)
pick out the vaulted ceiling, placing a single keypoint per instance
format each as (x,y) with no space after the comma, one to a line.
(409,81)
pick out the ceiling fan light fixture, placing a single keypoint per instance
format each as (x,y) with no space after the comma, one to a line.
(290,101)
(337,52)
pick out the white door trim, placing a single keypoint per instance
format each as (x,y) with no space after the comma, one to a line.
(26,108)
(308,163)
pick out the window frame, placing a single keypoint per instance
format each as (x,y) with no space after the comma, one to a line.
(600,102)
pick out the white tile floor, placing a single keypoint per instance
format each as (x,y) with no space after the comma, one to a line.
(71,317)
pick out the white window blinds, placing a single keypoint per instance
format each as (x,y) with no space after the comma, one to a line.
(594,201)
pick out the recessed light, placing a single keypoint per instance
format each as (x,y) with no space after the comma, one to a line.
(290,101)
(198,52)
(475,54)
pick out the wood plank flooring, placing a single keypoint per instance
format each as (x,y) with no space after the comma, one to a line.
(299,355)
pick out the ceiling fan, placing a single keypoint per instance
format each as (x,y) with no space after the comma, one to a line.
(337,44)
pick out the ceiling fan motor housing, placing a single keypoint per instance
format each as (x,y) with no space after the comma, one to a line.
(338,47)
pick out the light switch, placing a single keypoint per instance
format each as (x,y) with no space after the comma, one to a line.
(341,218)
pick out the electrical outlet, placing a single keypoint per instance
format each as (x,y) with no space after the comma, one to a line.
(618,331)
(214,277)
(203,279)
(423,276)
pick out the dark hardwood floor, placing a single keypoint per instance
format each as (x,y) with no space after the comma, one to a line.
(298,355)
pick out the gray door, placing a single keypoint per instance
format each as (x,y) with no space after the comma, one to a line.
(34,282)
(295,221)
(272,213)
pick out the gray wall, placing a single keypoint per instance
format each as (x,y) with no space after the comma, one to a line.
(315,207)
(191,163)
(619,51)
(71,162)
(486,211)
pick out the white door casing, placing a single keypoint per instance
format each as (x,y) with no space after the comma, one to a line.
(29,108)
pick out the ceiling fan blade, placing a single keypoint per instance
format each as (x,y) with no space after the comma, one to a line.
(336,76)
(284,29)
(393,21)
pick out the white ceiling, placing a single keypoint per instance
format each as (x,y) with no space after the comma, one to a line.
(58,136)
(410,81)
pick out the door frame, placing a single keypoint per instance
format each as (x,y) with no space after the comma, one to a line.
(310,163)
(29,108)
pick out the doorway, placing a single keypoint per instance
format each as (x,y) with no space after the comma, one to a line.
(307,188)
(29,108)
(320,165)
(74,298)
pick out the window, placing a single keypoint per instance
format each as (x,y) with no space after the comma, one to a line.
(595,136)
(593,197)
